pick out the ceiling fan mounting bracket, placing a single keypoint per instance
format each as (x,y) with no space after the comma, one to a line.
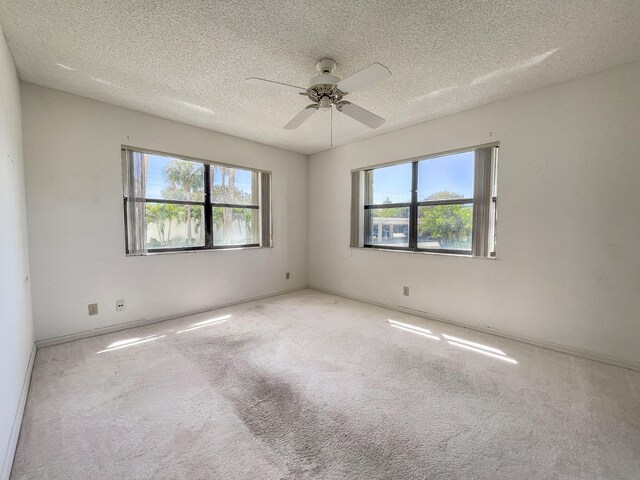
(326,65)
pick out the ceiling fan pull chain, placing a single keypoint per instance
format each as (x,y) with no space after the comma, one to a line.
(331,126)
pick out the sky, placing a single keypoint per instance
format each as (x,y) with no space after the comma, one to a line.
(242,180)
(453,173)
(156,181)
(155,175)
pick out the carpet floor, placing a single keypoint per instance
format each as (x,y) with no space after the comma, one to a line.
(313,386)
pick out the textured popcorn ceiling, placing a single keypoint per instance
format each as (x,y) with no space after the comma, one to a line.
(187,60)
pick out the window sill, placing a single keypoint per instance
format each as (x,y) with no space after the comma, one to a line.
(203,250)
(420,252)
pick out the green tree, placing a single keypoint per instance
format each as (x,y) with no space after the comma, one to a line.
(230,175)
(171,213)
(245,216)
(162,216)
(225,190)
(196,218)
(154,215)
(447,224)
(186,182)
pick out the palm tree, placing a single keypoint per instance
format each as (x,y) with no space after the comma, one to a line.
(226,192)
(244,216)
(162,216)
(186,181)
(196,216)
(156,215)
(171,212)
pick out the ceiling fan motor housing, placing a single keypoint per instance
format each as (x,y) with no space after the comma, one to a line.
(325,66)
(322,88)
(323,79)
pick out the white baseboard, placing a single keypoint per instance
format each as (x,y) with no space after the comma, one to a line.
(577,352)
(17,420)
(139,323)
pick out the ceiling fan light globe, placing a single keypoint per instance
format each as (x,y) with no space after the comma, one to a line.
(325,102)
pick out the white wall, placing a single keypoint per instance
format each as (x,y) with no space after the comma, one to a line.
(568,266)
(16,328)
(74,198)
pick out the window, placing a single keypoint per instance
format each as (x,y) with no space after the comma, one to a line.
(234,199)
(180,204)
(444,203)
(387,205)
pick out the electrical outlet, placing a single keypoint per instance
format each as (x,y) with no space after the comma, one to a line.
(119,305)
(287,276)
(405,291)
(93,309)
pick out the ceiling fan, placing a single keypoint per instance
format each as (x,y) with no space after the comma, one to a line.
(326,90)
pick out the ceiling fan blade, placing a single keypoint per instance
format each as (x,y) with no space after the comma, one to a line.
(300,118)
(367,76)
(261,82)
(360,114)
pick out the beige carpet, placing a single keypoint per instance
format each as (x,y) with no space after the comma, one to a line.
(309,385)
